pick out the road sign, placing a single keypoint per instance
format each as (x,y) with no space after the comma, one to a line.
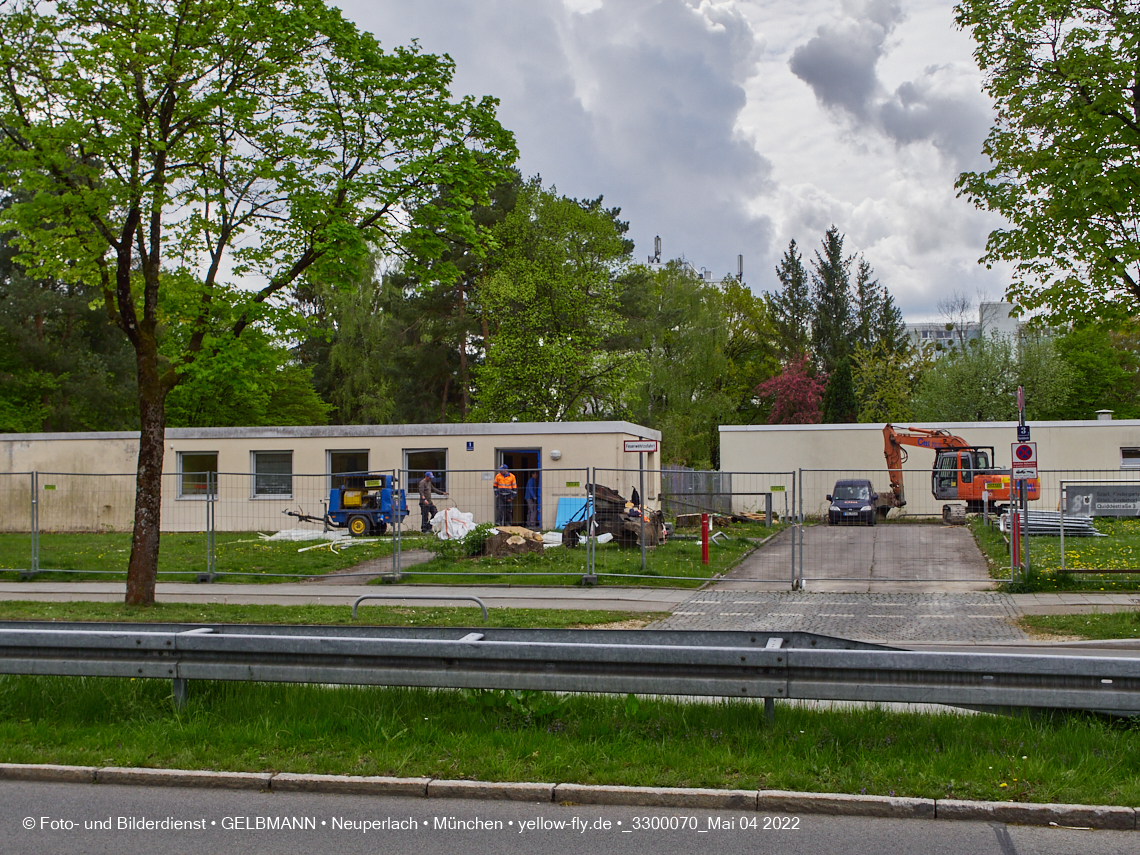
(1023,433)
(1024,473)
(1020,399)
(1025,454)
(635,445)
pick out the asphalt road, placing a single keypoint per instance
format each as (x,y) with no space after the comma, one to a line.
(918,556)
(235,822)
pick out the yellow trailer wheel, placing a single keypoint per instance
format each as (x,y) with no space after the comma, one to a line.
(358,526)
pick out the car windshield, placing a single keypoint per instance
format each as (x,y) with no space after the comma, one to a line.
(852,492)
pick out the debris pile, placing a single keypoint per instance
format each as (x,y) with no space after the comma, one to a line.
(611,516)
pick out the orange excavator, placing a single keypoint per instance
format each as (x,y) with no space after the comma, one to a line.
(962,472)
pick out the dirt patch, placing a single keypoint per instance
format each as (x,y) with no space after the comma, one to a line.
(374,568)
(632,623)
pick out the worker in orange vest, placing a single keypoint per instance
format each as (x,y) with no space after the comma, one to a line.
(505,489)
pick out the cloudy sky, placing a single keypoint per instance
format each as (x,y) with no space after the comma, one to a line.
(734,126)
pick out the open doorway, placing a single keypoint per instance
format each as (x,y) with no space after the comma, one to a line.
(523,463)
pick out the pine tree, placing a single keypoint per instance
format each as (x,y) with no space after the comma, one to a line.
(840,406)
(791,308)
(831,290)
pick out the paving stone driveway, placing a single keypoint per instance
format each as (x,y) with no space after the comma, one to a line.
(961,617)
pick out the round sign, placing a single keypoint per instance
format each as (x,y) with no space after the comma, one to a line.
(1020,398)
(1024,452)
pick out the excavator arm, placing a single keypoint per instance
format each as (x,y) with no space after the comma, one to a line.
(893,442)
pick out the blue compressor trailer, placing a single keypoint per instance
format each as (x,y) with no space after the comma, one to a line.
(362,504)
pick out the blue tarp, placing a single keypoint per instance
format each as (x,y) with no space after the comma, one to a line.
(570,509)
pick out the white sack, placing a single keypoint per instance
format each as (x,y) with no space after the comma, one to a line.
(452,524)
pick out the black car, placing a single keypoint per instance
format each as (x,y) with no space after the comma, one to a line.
(853,502)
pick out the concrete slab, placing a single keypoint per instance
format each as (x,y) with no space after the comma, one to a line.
(886,558)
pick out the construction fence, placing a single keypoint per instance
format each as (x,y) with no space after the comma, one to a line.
(1084,522)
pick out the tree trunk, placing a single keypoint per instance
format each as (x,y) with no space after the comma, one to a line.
(142,571)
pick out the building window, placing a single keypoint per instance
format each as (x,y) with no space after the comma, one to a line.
(273,474)
(420,460)
(342,463)
(1130,458)
(194,471)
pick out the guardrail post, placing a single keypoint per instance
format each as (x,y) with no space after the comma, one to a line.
(770,710)
(179,689)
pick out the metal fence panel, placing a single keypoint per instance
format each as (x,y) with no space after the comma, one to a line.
(17,515)
(1111,498)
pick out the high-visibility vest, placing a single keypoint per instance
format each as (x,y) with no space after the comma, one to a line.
(505,482)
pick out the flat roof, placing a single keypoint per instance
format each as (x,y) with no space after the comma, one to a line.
(936,425)
(338,431)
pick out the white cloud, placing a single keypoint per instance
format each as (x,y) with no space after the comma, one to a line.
(734,126)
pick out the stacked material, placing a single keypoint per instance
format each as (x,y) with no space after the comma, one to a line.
(1049,523)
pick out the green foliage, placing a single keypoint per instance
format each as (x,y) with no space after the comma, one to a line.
(63,365)
(791,307)
(831,292)
(550,302)
(1064,148)
(885,380)
(695,350)
(979,383)
(1106,372)
(840,405)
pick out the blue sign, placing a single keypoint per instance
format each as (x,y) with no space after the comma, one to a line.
(1023,433)
(470,446)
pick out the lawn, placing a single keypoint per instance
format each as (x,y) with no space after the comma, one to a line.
(568,738)
(1083,557)
(181,556)
(676,564)
(1093,626)
(369,614)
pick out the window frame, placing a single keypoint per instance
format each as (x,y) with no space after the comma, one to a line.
(1125,463)
(202,496)
(329,452)
(254,474)
(440,479)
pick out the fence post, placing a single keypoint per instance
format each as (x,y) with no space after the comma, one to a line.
(704,538)
(768,509)
(591,558)
(398,501)
(211,548)
(1062,526)
(35,510)
(641,497)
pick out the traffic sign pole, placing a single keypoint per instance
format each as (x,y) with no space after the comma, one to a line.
(1023,492)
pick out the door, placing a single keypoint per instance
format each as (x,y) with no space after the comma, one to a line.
(946,475)
(523,463)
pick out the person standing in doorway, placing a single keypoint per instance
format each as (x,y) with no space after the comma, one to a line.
(427,509)
(505,489)
(531,496)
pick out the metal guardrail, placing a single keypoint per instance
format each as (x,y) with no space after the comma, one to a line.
(731,664)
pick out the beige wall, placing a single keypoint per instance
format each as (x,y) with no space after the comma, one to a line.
(1070,450)
(82,502)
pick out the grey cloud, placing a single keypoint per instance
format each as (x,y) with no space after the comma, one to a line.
(637,100)
(840,65)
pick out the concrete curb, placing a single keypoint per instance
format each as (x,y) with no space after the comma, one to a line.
(678,797)
(345,784)
(183,778)
(1107,817)
(47,772)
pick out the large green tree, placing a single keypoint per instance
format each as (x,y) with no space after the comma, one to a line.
(203,145)
(550,303)
(791,306)
(1065,149)
(831,325)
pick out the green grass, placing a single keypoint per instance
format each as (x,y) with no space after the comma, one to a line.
(1083,557)
(181,556)
(578,738)
(676,558)
(378,615)
(1093,626)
